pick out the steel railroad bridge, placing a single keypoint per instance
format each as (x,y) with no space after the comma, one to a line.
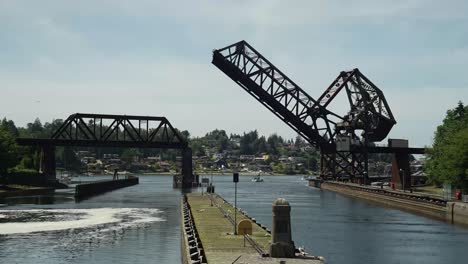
(122,131)
(344,139)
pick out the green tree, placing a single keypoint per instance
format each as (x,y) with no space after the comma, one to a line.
(70,160)
(247,143)
(8,151)
(274,143)
(448,158)
(129,155)
(9,126)
(260,145)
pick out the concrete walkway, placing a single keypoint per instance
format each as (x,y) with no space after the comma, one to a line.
(216,234)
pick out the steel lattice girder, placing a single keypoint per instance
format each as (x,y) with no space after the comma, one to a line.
(310,118)
(369,109)
(121,131)
(277,92)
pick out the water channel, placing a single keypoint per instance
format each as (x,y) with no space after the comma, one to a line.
(140,224)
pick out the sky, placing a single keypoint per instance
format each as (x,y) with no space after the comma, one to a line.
(154,58)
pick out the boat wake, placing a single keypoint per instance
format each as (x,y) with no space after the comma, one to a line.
(98,219)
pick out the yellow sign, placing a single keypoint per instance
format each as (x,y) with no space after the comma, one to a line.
(244,227)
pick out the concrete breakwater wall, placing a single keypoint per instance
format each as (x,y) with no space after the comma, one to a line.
(191,246)
(28,192)
(457,213)
(98,187)
(411,203)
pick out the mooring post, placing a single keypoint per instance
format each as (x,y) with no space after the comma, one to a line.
(282,245)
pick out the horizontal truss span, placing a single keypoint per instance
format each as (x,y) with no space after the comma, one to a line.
(113,131)
(90,143)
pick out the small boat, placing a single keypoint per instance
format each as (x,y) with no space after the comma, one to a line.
(257,179)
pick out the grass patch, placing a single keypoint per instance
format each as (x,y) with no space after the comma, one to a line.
(431,189)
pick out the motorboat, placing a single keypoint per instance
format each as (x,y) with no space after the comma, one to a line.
(257,179)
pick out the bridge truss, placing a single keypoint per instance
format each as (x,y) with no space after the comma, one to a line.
(368,119)
(100,130)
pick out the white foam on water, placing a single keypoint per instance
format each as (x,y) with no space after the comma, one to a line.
(121,217)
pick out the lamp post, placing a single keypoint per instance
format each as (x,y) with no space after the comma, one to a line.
(235,179)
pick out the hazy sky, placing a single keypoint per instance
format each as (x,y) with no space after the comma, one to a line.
(154,58)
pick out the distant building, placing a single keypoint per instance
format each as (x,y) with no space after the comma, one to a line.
(110,156)
(153,160)
(246,157)
(295,159)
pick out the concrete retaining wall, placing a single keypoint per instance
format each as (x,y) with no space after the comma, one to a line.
(27,192)
(413,206)
(191,247)
(184,252)
(457,213)
(98,187)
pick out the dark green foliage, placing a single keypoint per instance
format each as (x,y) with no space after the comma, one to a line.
(9,126)
(274,143)
(247,143)
(128,156)
(216,141)
(25,177)
(70,160)
(448,158)
(8,151)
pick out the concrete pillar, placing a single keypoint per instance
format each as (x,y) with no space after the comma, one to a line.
(401,170)
(48,162)
(282,245)
(187,170)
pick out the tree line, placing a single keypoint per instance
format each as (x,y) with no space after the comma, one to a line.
(14,157)
(447,160)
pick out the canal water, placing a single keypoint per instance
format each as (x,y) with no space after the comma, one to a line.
(140,224)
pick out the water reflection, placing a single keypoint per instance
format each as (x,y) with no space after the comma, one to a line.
(37,199)
(346,230)
(133,224)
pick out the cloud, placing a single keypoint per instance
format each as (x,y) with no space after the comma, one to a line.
(153,57)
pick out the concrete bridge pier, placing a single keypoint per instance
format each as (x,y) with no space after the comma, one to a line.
(48,162)
(188,179)
(401,173)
